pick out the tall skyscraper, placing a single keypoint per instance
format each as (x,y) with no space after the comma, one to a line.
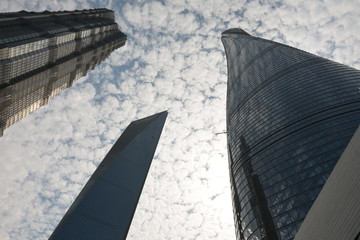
(106,205)
(290,115)
(43,53)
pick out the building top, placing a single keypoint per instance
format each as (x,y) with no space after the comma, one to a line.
(98,12)
(232,31)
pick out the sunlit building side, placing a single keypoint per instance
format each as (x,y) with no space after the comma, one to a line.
(42,53)
(290,115)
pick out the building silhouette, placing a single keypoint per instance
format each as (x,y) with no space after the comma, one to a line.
(290,115)
(42,53)
(105,206)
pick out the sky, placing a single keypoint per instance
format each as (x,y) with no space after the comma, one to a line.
(173,60)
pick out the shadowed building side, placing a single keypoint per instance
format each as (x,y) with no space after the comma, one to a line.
(290,115)
(105,206)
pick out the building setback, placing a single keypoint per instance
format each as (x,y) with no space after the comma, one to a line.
(290,115)
(42,53)
(105,206)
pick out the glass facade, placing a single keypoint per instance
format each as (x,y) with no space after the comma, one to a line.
(290,115)
(43,53)
(105,206)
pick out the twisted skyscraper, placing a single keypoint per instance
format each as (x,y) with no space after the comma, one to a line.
(43,53)
(290,115)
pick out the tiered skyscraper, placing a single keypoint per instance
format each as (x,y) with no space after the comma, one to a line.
(290,115)
(43,53)
(105,206)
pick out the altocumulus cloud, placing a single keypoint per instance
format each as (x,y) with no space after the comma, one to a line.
(173,60)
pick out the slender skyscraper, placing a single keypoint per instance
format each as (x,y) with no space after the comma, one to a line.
(290,115)
(42,53)
(106,205)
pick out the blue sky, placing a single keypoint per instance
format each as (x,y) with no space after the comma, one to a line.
(173,60)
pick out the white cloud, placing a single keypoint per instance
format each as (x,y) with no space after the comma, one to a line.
(173,60)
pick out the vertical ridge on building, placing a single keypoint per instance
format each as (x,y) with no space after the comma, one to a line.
(335,213)
(105,206)
(42,53)
(290,115)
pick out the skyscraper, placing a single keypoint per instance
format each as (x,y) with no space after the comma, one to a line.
(43,53)
(290,115)
(106,205)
